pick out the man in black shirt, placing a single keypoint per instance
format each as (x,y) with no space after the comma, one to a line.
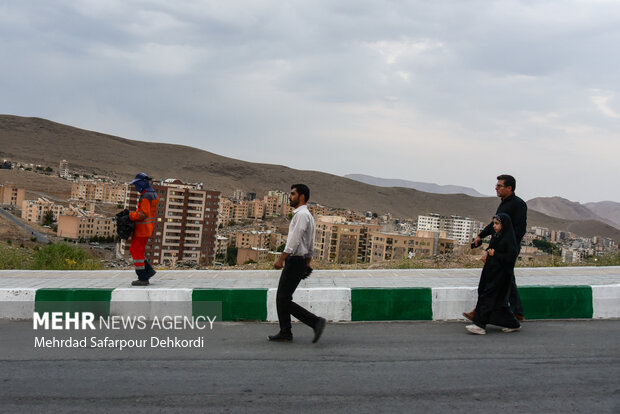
(516,208)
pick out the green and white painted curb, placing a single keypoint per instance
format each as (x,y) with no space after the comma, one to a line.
(335,304)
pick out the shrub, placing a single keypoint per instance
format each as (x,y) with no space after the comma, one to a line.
(63,256)
(14,258)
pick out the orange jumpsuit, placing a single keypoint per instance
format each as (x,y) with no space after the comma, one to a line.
(144,218)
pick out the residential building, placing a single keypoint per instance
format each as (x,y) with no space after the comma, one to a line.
(393,246)
(238,195)
(34,210)
(80,224)
(99,191)
(461,229)
(281,196)
(186,223)
(257,209)
(226,211)
(259,239)
(337,240)
(221,245)
(11,195)
(63,170)
(253,255)
(271,205)
(319,210)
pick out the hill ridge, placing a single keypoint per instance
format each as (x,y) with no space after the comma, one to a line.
(46,142)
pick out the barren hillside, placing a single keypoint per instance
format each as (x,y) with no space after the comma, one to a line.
(44,142)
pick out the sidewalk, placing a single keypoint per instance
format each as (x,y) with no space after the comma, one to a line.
(339,295)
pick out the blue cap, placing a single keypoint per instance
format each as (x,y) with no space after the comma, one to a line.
(141,176)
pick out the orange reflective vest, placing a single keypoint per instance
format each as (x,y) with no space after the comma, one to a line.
(144,216)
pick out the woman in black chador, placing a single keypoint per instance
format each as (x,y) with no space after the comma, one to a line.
(494,287)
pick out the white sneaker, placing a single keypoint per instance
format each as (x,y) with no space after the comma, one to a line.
(475,329)
(511,329)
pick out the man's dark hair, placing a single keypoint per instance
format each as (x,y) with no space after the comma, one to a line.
(302,189)
(509,181)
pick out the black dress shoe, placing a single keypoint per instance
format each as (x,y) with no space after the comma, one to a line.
(318,329)
(281,337)
(140,283)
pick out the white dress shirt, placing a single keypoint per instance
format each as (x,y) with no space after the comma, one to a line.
(300,240)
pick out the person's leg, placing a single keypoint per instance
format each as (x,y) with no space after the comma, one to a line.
(514,299)
(150,272)
(289,280)
(504,317)
(137,249)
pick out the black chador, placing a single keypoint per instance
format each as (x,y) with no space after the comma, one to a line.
(494,286)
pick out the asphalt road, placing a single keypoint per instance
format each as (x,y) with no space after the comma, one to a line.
(548,367)
(41,238)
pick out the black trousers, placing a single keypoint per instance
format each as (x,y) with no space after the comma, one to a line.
(294,268)
(513,297)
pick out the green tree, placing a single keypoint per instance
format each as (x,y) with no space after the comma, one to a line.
(546,246)
(281,247)
(231,256)
(48,218)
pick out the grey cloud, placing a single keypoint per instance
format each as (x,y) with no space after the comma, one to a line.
(378,82)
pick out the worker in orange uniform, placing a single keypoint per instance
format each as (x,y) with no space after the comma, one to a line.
(144,219)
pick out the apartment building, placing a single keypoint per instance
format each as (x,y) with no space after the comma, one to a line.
(63,170)
(11,195)
(254,255)
(319,210)
(337,240)
(34,210)
(99,191)
(461,229)
(186,223)
(259,239)
(221,246)
(80,224)
(393,246)
(271,205)
(281,196)
(238,195)
(257,209)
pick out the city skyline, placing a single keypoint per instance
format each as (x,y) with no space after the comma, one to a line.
(443,92)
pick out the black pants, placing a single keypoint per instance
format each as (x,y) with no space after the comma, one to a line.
(513,297)
(294,268)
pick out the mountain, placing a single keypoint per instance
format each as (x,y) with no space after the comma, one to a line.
(609,210)
(562,208)
(416,185)
(570,210)
(39,141)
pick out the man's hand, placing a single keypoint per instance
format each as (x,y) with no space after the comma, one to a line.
(278,263)
(477,241)
(491,252)
(484,256)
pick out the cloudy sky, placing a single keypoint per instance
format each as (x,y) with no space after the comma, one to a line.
(450,92)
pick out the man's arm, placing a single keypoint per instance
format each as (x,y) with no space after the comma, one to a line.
(292,241)
(519,221)
(487,231)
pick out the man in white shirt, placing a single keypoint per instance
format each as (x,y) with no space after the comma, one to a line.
(296,260)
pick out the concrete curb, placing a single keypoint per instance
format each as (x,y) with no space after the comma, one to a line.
(335,304)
